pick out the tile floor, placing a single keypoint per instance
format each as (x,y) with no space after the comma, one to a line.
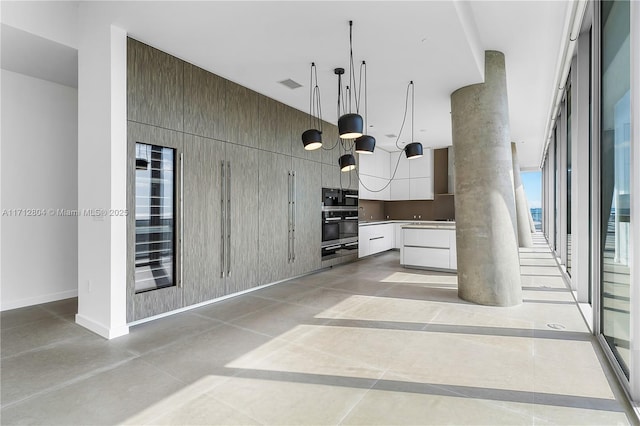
(364,343)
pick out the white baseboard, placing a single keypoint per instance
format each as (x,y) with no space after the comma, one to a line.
(41,298)
(100,329)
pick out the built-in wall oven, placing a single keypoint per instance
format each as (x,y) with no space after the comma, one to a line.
(339,222)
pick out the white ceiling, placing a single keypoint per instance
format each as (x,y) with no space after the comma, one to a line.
(437,44)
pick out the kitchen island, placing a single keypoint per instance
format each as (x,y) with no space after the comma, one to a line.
(429,245)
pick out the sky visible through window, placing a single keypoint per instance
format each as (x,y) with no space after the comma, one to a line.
(532,182)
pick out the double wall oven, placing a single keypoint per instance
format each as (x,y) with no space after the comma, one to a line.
(339,222)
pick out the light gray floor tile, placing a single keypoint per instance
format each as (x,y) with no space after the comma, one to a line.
(54,366)
(23,316)
(35,335)
(153,335)
(207,353)
(236,307)
(364,343)
(107,398)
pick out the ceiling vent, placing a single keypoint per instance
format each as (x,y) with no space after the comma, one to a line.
(391,135)
(290,83)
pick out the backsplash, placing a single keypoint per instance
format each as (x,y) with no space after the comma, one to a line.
(371,210)
(440,209)
(416,209)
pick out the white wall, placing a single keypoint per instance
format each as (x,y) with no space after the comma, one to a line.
(39,171)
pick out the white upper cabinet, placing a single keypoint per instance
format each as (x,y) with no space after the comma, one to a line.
(403,166)
(413,179)
(400,190)
(371,188)
(376,164)
(421,189)
(374,175)
(422,167)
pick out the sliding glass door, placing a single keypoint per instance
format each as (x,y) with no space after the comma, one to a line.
(615,178)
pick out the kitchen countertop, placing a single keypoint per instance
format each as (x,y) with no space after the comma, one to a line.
(431,225)
(412,223)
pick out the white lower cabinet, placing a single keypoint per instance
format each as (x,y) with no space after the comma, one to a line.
(427,257)
(428,248)
(374,239)
(397,231)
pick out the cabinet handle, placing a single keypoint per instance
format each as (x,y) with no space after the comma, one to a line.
(223,188)
(228,218)
(351,244)
(294,214)
(289,216)
(375,238)
(181,263)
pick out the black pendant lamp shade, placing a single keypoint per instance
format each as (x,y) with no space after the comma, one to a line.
(347,162)
(312,139)
(350,126)
(365,144)
(413,150)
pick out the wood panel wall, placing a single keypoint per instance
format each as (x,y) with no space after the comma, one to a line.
(209,113)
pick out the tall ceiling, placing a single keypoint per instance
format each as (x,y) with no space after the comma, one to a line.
(437,44)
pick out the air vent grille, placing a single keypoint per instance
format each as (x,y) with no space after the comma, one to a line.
(290,83)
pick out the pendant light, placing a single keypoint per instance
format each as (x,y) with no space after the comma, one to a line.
(312,138)
(365,144)
(413,150)
(350,124)
(347,163)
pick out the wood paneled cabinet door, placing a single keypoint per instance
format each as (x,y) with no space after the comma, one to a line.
(220,219)
(307,216)
(242,218)
(204,242)
(275,217)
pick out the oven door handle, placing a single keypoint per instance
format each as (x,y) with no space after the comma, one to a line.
(351,218)
(351,244)
(331,247)
(332,219)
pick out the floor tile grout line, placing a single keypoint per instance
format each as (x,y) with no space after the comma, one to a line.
(70,382)
(43,347)
(364,394)
(215,324)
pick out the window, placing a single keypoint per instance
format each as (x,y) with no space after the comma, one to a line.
(568,212)
(615,178)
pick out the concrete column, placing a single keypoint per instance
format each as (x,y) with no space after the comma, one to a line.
(486,235)
(532,225)
(522,206)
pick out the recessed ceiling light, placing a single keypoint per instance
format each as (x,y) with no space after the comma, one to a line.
(290,83)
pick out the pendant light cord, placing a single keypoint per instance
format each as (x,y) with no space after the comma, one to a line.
(311,90)
(413,109)
(404,117)
(352,73)
(363,65)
